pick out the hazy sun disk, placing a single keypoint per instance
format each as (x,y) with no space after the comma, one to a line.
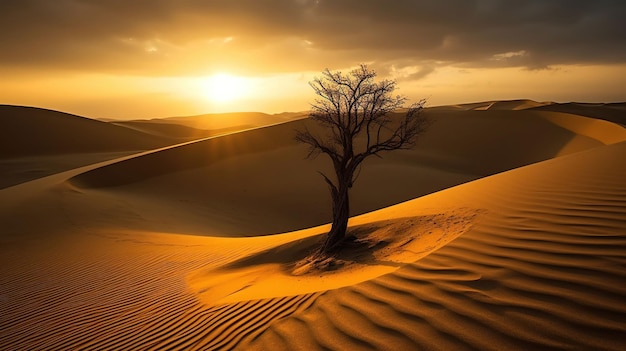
(223,88)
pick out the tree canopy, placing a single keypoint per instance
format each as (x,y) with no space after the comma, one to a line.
(360,117)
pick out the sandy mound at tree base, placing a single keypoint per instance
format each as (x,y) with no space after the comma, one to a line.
(370,250)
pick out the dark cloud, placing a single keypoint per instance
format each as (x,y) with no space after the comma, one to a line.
(173,37)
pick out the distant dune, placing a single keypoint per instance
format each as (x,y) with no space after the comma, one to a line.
(178,131)
(28,131)
(194,127)
(520,104)
(610,112)
(216,121)
(502,229)
(37,142)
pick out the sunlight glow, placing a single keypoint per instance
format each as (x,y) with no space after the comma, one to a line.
(223,88)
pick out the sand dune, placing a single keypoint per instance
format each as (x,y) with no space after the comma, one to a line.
(28,131)
(238,120)
(228,185)
(177,131)
(202,126)
(23,169)
(520,104)
(610,112)
(532,258)
(36,142)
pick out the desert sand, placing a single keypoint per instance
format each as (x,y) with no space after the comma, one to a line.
(503,229)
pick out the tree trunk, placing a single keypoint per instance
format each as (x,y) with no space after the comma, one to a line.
(341,213)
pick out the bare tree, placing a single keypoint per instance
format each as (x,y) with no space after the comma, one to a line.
(359,117)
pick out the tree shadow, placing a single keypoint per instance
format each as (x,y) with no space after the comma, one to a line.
(389,243)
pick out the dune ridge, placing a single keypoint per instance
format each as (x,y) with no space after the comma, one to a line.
(218,121)
(178,131)
(613,112)
(516,104)
(194,154)
(207,125)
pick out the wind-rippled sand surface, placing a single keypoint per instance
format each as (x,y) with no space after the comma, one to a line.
(542,269)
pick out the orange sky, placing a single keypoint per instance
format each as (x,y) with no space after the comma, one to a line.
(159,58)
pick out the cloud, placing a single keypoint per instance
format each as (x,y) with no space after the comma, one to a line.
(160,37)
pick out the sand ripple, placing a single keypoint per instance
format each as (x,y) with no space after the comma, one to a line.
(121,292)
(543,269)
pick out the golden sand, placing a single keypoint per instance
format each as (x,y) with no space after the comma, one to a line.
(503,229)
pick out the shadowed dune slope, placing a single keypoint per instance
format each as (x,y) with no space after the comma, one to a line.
(190,155)
(35,143)
(263,174)
(19,170)
(29,131)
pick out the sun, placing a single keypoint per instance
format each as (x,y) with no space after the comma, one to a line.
(223,88)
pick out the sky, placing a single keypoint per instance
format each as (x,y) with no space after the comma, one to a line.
(159,58)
